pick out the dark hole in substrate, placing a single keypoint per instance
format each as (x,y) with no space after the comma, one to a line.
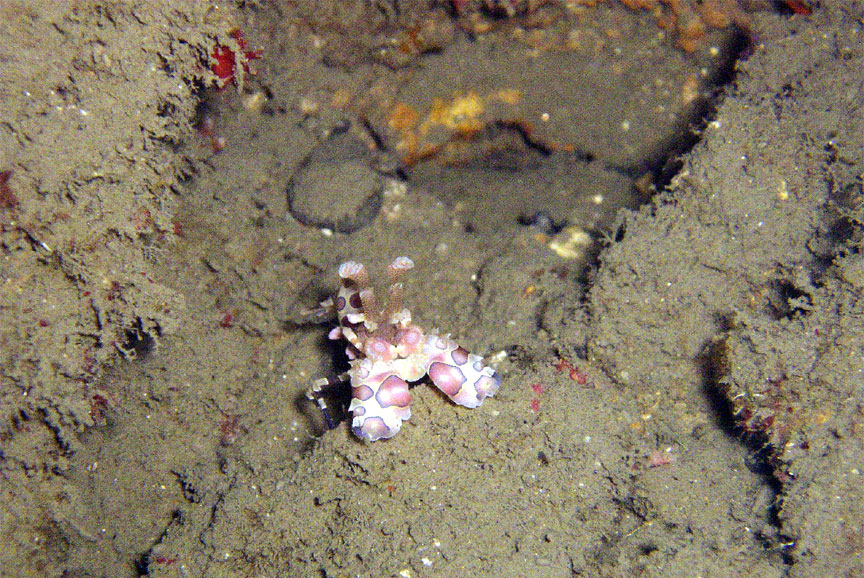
(761,458)
(138,342)
(786,299)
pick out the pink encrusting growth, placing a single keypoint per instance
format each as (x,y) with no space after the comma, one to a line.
(387,351)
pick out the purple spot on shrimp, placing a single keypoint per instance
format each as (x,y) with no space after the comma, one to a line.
(362,392)
(447,378)
(487,386)
(393,391)
(373,428)
(460,356)
(340,303)
(411,337)
(354,301)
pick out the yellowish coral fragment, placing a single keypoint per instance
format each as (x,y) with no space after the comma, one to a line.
(462,113)
(782,191)
(571,243)
(508,95)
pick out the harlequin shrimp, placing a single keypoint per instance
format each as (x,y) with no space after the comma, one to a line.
(386,351)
